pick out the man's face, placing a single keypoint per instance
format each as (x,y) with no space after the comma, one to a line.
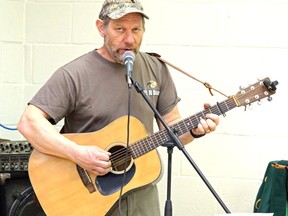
(123,34)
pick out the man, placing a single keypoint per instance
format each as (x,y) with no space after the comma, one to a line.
(91,92)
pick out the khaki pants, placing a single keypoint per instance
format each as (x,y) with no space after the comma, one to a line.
(144,202)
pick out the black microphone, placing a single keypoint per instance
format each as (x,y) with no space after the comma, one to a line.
(128,58)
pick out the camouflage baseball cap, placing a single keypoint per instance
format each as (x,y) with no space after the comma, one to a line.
(116,9)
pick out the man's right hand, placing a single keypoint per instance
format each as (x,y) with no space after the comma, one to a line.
(93,159)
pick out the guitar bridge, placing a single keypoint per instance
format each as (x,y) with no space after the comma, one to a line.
(86,179)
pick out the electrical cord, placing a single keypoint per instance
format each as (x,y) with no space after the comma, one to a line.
(7,128)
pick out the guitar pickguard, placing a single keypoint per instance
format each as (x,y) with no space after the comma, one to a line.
(110,183)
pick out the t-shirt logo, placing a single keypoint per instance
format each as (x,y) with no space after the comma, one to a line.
(152,84)
(151,90)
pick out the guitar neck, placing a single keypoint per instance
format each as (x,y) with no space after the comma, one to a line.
(152,142)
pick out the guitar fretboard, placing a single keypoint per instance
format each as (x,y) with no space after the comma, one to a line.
(159,138)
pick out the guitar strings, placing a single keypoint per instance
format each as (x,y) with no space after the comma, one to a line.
(117,158)
(140,147)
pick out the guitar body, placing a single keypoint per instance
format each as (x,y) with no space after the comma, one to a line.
(60,190)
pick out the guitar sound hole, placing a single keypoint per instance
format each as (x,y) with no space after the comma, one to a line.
(118,159)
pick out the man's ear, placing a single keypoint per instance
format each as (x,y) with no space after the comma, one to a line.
(100,27)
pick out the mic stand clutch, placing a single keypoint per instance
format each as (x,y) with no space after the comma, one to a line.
(170,145)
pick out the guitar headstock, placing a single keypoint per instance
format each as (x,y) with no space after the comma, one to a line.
(259,90)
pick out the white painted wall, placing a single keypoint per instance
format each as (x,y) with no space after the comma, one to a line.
(225,43)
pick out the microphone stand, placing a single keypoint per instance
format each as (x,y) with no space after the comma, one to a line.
(175,141)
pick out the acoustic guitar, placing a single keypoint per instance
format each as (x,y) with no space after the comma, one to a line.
(63,188)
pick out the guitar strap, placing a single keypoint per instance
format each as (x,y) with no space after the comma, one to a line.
(206,84)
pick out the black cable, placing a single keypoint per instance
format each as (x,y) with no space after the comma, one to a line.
(126,153)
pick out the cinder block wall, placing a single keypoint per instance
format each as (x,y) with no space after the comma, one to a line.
(225,43)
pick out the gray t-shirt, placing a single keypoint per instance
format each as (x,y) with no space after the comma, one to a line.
(90,92)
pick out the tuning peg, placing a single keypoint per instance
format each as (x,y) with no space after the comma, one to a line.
(259,102)
(269,98)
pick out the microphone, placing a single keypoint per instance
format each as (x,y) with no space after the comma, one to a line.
(128,58)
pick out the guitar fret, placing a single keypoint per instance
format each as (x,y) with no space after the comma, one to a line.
(181,129)
(188,124)
(223,108)
(151,142)
(178,130)
(165,136)
(141,148)
(185,125)
(218,109)
(203,115)
(158,139)
(134,152)
(162,138)
(226,106)
(132,149)
(138,146)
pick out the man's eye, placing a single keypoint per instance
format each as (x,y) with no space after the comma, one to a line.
(136,30)
(119,29)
